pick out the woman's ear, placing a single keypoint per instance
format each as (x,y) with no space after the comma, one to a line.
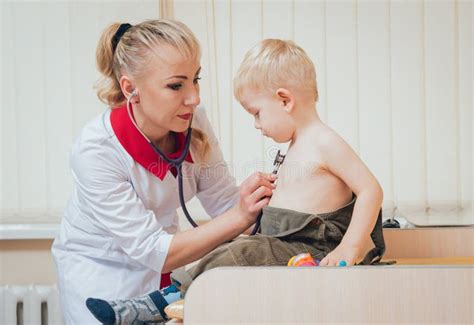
(286,98)
(128,89)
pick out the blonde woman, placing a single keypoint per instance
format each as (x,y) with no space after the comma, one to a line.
(118,235)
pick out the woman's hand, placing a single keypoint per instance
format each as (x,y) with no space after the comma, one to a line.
(255,193)
(342,252)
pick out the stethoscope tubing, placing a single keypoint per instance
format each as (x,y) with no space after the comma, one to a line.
(176,162)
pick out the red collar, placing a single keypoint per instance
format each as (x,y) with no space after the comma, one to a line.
(138,147)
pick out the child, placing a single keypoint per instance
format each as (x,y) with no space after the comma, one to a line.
(326,203)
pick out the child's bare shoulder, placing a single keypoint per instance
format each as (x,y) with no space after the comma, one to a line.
(327,139)
(331,148)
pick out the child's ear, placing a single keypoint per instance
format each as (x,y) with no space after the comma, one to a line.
(286,98)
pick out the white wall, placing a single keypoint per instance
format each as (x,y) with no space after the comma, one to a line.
(395,80)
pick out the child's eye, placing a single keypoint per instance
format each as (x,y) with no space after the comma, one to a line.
(175,86)
(196,80)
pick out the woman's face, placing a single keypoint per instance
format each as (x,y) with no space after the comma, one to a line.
(167,94)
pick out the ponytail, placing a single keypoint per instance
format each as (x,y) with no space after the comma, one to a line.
(108,87)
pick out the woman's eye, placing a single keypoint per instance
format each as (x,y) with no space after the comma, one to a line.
(175,86)
(196,80)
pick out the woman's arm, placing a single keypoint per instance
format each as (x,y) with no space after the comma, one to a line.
(191,245)
(111,204)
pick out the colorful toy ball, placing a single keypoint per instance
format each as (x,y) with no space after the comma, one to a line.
(303,259)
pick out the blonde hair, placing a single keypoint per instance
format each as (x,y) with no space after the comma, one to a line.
(132,55)
(275,63)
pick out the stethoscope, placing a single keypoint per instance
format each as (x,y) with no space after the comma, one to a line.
(178,163)
(276,165)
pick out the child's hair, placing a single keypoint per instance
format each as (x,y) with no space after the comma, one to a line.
(275,63)
(132,55)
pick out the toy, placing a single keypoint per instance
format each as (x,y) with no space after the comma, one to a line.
(303,259)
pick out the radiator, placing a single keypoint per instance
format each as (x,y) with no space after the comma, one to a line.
(30,305)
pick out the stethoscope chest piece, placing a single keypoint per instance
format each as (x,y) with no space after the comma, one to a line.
(276,166)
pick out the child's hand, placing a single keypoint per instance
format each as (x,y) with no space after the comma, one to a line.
(346,253)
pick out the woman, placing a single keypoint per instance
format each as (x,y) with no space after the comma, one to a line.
(118,234)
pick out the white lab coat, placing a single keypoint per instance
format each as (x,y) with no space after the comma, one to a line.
(120,219)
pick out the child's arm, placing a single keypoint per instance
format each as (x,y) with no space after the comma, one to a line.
(342,161)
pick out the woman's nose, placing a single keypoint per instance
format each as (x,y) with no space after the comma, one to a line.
(192,98)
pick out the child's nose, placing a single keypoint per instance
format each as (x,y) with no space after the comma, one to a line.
(257,125)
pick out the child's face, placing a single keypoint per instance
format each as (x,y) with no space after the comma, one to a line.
(270,115)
